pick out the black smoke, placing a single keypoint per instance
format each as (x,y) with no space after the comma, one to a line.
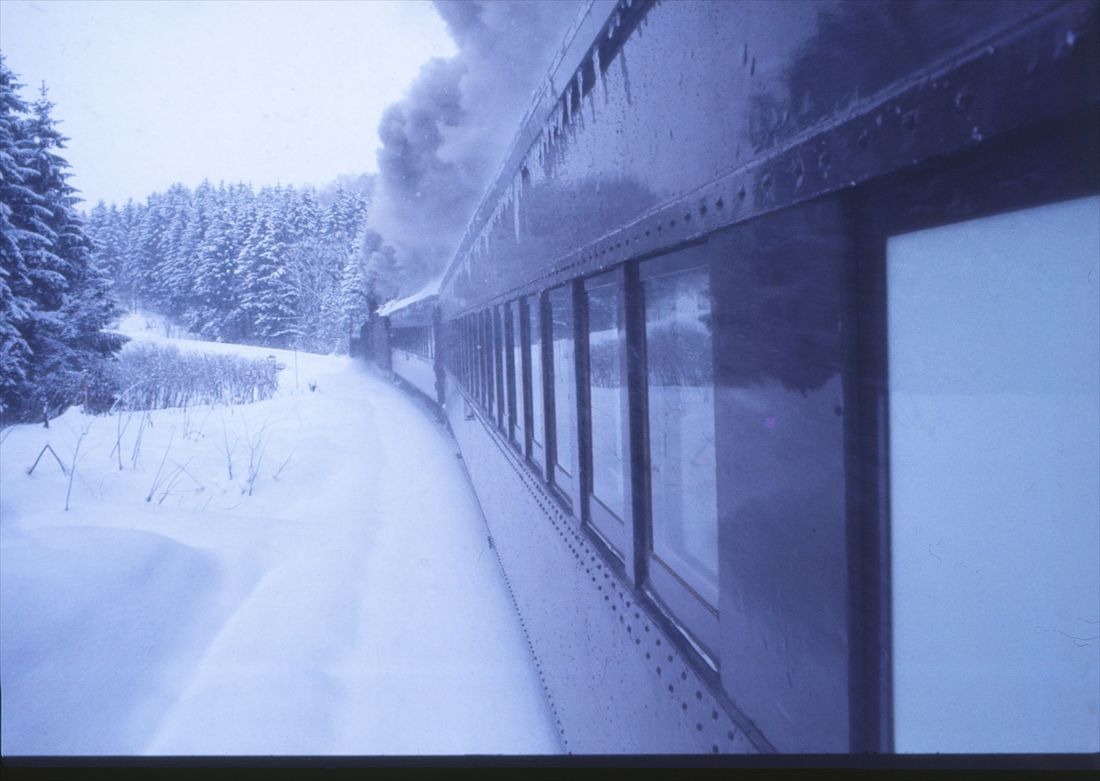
(446,138)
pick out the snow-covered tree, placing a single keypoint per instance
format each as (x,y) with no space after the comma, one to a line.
(234,264)
(268,297)
(57,300)
(16,204)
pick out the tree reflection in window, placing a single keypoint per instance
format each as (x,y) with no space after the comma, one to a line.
(683,492)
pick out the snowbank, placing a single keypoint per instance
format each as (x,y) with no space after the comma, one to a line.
(306,575)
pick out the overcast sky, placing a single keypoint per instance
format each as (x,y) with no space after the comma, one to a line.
(152,93)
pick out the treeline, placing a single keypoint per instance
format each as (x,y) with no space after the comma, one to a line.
(282,267)
(54,298)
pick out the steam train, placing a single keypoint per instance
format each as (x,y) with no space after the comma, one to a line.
(772,354)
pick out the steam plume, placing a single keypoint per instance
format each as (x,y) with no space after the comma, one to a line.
(444,140)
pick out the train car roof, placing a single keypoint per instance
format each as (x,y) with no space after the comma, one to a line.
(429,290)
(544,102)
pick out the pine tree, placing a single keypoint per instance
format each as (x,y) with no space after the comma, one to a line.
(58,299)
(215,279)
(16,202)
(355,293)
(268,298)
(274,267)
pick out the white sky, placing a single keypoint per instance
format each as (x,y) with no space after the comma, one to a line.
(152,93)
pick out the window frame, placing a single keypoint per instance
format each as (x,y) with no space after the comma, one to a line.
(566,484)
(667,589)
(538,450)
(618,534)
(1018,171)
(498,366)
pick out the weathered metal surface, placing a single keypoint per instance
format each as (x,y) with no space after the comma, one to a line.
(754,130)
(781,346)
(712,113)
(615,680)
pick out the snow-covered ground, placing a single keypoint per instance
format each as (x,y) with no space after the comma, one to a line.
(349,605)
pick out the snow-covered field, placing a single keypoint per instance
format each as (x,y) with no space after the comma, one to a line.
(350,604)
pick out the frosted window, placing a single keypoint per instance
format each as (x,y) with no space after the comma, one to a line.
(994,355)
(565,385)
(606,392)
(681,427)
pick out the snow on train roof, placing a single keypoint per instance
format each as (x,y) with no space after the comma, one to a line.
(430,289)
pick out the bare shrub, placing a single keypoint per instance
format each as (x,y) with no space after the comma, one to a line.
(159,377)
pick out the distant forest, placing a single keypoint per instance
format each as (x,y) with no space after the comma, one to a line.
(281,266)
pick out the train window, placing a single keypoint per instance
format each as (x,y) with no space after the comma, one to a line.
(538,409)
(498,363)
(468,338)
(681,435)
(471,336)
(464,354)
(993,340)
(565,388)
(468,355)
(495,364)
(487,362)
(475,360)
(606,404)
(515,316)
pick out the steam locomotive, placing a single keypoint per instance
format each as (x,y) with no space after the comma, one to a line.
(772,353)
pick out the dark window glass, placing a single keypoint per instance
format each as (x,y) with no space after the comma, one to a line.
(681,425)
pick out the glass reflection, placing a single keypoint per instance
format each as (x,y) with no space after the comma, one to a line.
(681,425)
(537,409)
(606,392)
(517,359)
(565,385)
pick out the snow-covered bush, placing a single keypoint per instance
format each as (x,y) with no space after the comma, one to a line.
(156,377)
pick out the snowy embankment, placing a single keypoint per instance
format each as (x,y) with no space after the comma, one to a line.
(349,603)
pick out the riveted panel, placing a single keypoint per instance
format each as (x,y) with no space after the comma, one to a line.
(616,681)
